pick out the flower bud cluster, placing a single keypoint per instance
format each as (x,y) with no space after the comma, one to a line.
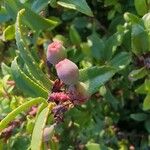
(67,72)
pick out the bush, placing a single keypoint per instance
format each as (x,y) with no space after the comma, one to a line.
(95,93)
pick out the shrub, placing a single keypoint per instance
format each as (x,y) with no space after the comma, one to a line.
(96,92)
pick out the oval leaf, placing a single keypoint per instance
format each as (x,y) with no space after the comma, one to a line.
(139,116)
(146,103)
(79,5)
(95,77)
(120,61)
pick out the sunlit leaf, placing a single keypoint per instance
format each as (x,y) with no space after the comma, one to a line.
(79,5)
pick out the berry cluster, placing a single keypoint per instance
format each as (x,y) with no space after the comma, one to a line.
(67,90)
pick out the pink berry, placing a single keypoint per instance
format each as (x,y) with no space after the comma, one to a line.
(55,52)
(67,71)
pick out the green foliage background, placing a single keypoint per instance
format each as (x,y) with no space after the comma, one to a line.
(109,40)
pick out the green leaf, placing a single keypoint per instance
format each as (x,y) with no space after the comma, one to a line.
(37,135)
(25,83)
(141,89)
(84,118)
(20,141)
(147,85)
(85,49)
(5,69)
(9,33)
(109,97)
(36,72)
(147,125)
(146,20)
(109,3)
(79,5)
(92,146)
(139,116)
(129,17)
(141,7)
(30,18)
(120,61)
(140,39)
(146,103)
(11,116)
(74,36)
(97,46)
(4,16)
(111,45)
(38,5)
(95,77)
(138,74)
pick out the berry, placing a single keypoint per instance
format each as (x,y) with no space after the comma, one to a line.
(55,52)
(48,132)
(78,93)
(68,72)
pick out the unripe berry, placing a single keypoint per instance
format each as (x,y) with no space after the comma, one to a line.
(55,52)
(48,132)
(78,93)
(67,71)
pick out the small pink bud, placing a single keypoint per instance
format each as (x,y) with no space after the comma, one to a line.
(67,71)
(55,52)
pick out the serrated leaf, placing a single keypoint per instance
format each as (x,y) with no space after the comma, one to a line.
(120,61)
(146,103)
(27,57)
(10,117)
(30,18)
(95,77)
(79,5)
(25,83)
(37,135)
